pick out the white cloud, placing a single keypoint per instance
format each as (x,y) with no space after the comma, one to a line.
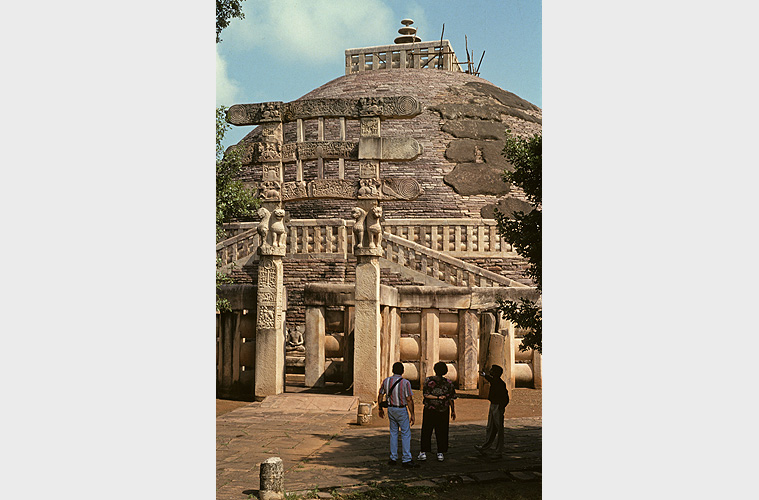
(227,89)
(312,30)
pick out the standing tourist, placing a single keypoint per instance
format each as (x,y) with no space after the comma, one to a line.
(499,398)
(398,391)
(438,398)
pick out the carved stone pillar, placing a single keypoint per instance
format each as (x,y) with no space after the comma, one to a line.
(367,236)
(270,338)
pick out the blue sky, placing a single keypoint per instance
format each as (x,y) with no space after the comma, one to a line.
(286,48)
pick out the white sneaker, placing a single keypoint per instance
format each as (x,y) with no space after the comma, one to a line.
(440,457)
(422,456)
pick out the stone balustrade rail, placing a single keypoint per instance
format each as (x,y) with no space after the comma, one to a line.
(440,266)
(429,246)
(456,237)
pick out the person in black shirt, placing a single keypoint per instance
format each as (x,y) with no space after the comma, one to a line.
(499,398)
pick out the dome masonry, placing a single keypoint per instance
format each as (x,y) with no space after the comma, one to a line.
(461,129)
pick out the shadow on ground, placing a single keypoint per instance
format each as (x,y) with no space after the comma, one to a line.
(361,455)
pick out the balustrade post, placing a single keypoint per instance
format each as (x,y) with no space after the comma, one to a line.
(537,369)
(469,349)
(430,342)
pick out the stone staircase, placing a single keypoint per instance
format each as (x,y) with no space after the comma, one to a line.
(423,251)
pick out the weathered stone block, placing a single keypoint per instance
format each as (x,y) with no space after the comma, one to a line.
(477,178)
(388,148)
(272,479)
(506,206)
(474,129)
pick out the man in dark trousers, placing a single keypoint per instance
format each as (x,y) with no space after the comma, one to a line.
(499,398)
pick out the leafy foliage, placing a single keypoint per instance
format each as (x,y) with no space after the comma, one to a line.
(524,231)
(225,11)
(232,199)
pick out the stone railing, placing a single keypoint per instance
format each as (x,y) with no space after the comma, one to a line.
(455,237)
(430,246)
(420,55)
(440,266)
(243,244)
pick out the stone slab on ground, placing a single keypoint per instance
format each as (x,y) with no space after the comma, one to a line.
(308,403)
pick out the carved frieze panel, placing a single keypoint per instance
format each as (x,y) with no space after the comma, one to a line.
(266,317)
(294,190)
(385,107)
(366,188)
(333,188)
(267,151)
(370,126)
(269,190)
(369,188)
(272,171)
(272,131)
(267,276)
(368,169)
(401,189)
(253,114)
(312,150)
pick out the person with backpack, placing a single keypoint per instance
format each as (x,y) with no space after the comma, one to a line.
(399,397)
(439,394)
(499,398)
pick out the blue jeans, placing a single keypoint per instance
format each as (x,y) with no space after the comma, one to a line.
(398,418)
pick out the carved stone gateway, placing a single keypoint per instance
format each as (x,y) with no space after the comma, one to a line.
(368,190)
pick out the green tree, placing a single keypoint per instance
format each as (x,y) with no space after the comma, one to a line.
(225,11)
(233,200)
(523,232)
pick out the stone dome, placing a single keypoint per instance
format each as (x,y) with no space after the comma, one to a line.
(461,128)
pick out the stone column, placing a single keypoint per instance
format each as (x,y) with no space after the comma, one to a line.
(430,347)
(385,353)
(349,320)
(366,352)
(509,345)
(537,369)
(315,331)
(469,348)
(395,336)
(487,330)
(270,343)
(367,235)
(270,340)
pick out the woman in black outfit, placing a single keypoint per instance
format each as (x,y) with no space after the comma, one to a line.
(438,397)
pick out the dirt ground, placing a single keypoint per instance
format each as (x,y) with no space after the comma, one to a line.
(523,403)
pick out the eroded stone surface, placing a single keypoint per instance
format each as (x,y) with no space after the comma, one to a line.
(506,206)
(477,178)
(474,129)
